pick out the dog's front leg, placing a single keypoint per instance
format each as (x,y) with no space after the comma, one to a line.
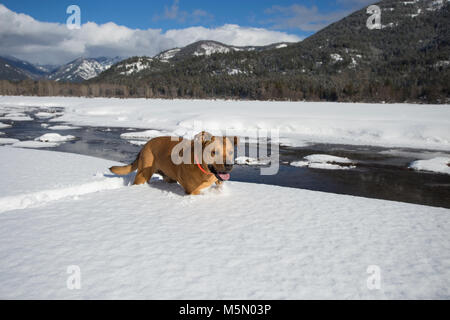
(189,189)
(197,189)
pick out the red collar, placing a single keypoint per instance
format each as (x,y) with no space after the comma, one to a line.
(200,167)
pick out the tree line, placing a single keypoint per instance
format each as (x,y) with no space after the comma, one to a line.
(289,88)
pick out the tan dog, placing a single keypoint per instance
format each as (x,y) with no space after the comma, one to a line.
(216,154)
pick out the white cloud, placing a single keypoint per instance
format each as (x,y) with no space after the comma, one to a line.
(53,43)
(230,34)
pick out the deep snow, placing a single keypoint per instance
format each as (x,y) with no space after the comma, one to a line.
(4,141)
(244,241)
(34,144)
(400,125)
(439,165)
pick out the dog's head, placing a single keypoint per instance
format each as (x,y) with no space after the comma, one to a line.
(218,153)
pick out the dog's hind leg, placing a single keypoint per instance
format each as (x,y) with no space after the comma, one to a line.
(143,176)
(145,168)
(165,177)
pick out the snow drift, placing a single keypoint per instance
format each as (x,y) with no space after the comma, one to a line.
(244,241)
(400,125)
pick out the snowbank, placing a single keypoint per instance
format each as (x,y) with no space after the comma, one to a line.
(46,115)
(8,141)
(63,128)
(324,161)
(321,158)
(54,137)
(244,241)
(138,142)
(16,117)
(34,144)
(145,135)
(251,161)
(439,165)
(4,125)
(396,125)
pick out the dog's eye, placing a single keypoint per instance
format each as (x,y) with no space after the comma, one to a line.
(213,153)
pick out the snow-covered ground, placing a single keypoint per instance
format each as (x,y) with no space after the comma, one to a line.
(242,241)
(59,128)
(4,141)
(34,144)
(4,125)
(391,125)
(48,140)
(440,165)
(324,161)
(144,135)
(54,137)
(46,115)
(16,117)
(251,161)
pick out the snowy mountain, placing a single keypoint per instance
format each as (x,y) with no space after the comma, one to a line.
(407,59)
(82,69)
(75,71)
(139,67)
(9,72)
(134,65)
(47,68)
(208,48)
(15,69)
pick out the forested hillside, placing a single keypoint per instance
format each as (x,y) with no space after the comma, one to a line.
(407,59)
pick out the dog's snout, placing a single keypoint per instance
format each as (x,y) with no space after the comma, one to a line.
(228,167)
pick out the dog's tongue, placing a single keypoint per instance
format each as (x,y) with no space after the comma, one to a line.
(224,176)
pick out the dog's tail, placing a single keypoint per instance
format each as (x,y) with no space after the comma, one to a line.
(123,171)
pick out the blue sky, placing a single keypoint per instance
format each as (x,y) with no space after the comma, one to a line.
(144,14)
(36,30)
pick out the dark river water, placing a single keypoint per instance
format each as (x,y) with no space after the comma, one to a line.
(380,173)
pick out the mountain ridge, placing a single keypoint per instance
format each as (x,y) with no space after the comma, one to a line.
(407,59)
(82,69)
(76,71)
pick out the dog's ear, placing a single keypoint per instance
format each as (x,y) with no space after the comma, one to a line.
(203,137)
